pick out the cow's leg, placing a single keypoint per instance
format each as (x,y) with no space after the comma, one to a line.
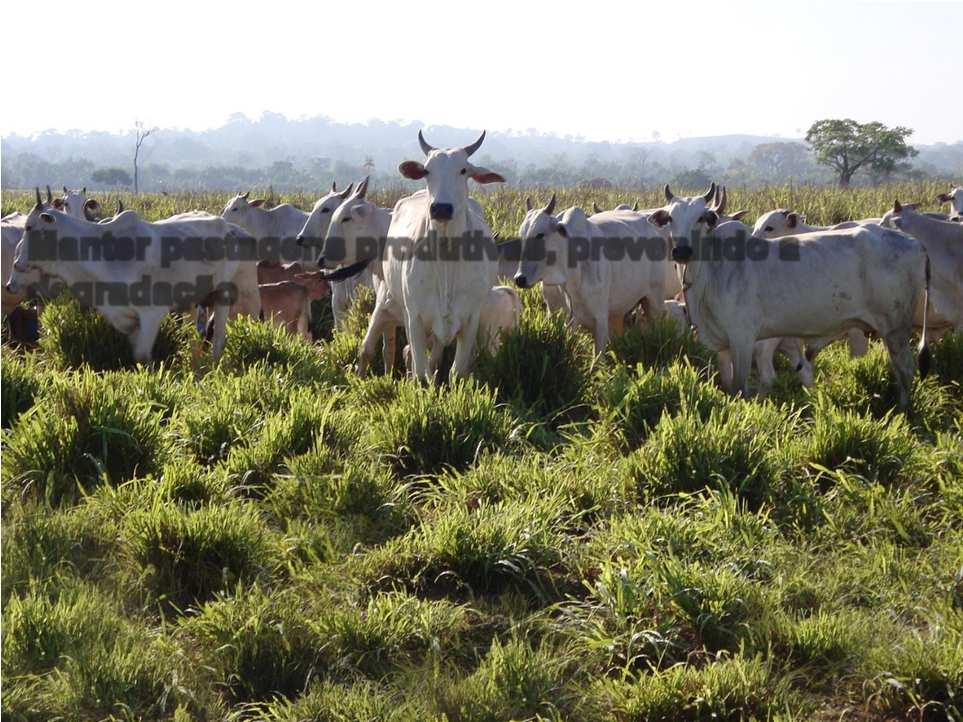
(149,321)
(340,299)
(616,324)
(219,324)
(796,353)
(302,324)
(388,341)
(902,364)
(465,348)
(763,353)
(248,301)
(725,370)
(418,343)
(376,326)
(741,353)
(601,333)
(434,358)
(858,343)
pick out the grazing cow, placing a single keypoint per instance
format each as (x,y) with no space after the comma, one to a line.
(955,199)
(603,286)
(355,229)
(314,231)
(135,295)
(284,302)
(811,286)
(439,261)
(943,241)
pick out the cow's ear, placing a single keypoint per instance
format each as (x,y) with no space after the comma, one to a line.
(92,205)
(483,175)
(739,215)
(360,210)
(256,203)
(791,220)
(660,218)
(412,170)
(943,197)
(46,218)
(561,230)
(711,218)
(58,203)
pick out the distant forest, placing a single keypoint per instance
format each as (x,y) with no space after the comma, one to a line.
(308,154)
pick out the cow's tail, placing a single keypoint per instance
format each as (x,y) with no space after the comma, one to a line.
(924,357)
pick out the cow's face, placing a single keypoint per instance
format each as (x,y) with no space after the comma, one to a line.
(350,226)
(896,216)
(544,244)
(682,215)
(446,173)
(954,198)
(775,224)
(77,205)
(26,271)
(316,227)
(239,208)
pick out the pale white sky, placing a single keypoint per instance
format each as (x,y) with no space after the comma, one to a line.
(602,69)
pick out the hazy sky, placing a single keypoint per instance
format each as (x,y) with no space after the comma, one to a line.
(610,70)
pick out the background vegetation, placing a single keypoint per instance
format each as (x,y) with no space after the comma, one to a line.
(560,537)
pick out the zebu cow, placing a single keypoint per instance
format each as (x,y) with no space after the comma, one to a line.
(354,234)
(955,199)
(439,260)
(943,241)
(153,270)
(811,286)
(75,204)
(602,285)
(313,233)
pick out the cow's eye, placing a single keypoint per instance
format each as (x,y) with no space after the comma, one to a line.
(768,229)
(464,171)
(325,210)
(345,220)
(540,237)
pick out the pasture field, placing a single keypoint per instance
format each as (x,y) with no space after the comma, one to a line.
(560,537)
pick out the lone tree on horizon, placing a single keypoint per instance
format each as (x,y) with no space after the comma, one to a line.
(848,146)
(141,134)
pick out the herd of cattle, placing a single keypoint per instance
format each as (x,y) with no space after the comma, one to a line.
(780,286)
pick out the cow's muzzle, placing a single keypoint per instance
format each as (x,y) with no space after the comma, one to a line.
(521,280)
(682,254)
(441,211)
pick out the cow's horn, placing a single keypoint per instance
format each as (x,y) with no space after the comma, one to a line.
(550,208)
(334,186)
(897,207)
(528,203)
(595,207)
(710,192)
(65,190)
(363,187)
(39,202)
(245,195)
(668,192)
(49,196)
(469,149)
(636,206)
(425,148)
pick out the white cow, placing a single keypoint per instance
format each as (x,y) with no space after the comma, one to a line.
(811,286)
(75,204)
(439,260)
(602,287)
(135,294)
(354,234)
(314,232)
(955,199)
(943,241)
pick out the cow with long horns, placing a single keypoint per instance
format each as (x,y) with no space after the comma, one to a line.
(439,260)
